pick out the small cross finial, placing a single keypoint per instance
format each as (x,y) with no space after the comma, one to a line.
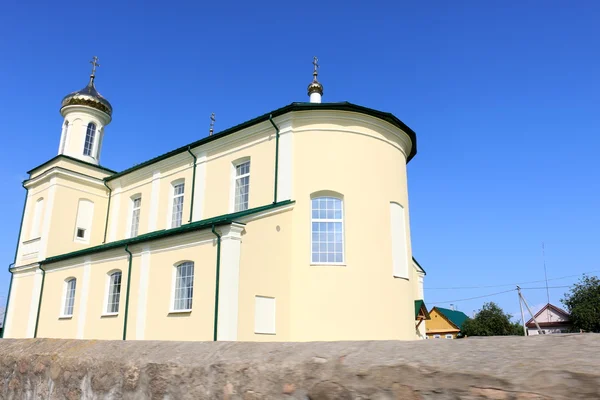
(95,64)
(212,124)
(316,64)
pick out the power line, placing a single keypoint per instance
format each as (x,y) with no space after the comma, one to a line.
(546,287)
(508,284)
(471,298)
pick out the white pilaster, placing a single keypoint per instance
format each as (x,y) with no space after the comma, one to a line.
(154,197)
(35,302)
(115,208)
(48,212)
(200,187)
(11,307)
(83,298)
(285,174)
(231,240)
(140,326)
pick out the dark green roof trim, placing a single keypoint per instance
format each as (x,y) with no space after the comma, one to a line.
(343,106)
(420,306)
(455,317)
(87,164)
(194,226)
(419,265)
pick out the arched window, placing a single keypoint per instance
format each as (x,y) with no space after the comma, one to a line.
(184,286)
(242,185)
(327,229)
(69,297)
(136,205)
(114,293)
(89,139)
(178,189)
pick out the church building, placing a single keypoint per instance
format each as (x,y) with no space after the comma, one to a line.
(292,226)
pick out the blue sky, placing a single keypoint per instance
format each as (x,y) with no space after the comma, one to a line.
(503,96)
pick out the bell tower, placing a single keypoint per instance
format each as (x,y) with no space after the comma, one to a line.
(86,113)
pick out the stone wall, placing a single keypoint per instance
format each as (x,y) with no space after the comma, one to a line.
(543,367)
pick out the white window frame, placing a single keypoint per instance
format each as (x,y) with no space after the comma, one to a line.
(172,202)
(233,205)
(86,229)
(449,336)
(63,302)
(335,196)
(132,210)
(172,309)
(107,286)
(92,141)
(437,336)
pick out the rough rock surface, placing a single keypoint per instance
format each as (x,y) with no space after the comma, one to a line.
(542,367)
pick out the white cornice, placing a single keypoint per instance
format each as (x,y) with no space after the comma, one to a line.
(62,172)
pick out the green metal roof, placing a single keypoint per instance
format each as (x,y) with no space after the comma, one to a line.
(194,226)
(420,305)
(456,317)
(343,106)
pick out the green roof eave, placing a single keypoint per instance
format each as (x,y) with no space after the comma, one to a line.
(87,164)
(419,265)
(343,106)
(420,306)
(194,226)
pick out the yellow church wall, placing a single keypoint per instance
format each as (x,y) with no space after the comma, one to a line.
(141,188)
(362,299)
(51,324)
(98,324)
(163,324)
(20,305)
(33,195)
(260,149)
(61,237)
(265,271)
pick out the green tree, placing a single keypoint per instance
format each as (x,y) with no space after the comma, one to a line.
(491,321)
(583,303)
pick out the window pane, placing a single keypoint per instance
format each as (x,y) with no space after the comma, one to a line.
(327,230)
(114,293)
(89,139)
(242,186)
(177,213)
(184,286)
(70,297)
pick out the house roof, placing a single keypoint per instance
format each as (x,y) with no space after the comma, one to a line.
(454,317)
(553,308)
(342,106)
(421,308)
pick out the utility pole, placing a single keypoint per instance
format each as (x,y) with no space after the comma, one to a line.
(540,331)
(522,314)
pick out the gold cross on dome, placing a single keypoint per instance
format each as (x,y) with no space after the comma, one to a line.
(95,64)
(315,63)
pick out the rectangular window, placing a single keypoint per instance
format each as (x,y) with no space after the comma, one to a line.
(327,231)
(114,293)
(437,337)
(135,216)
(242,186)
(399,245)
(85,216)
(448,336)
(184,287)
(264,315)
(69,298)
(177,213)
(80,233)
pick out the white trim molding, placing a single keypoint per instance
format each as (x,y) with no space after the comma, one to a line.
(285,174)
(35,302)
(231,240)
(154,198)
(140,324)
(83,299)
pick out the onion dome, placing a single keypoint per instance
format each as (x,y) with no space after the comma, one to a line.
(88,96)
